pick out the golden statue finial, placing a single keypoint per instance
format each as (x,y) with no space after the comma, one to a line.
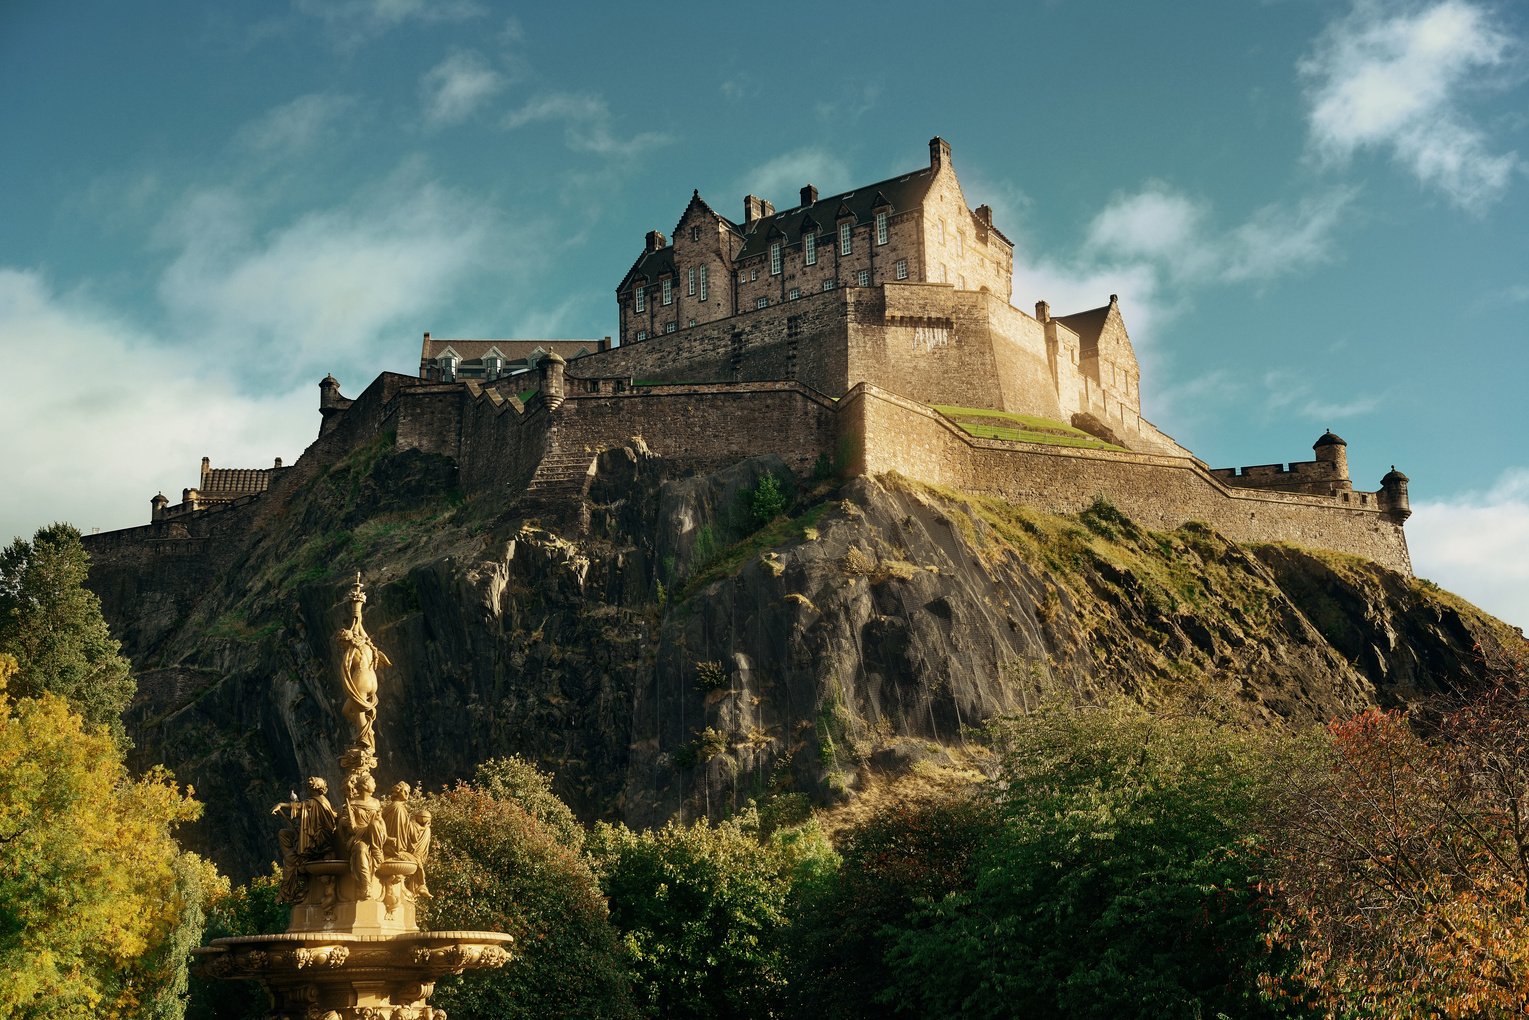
(359,659)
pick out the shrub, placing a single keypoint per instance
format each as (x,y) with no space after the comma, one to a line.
(768,501)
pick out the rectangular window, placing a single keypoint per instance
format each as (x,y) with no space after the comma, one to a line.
(844,247)
(775,259)
(668,291)
(763,302)
(690,323)
(794,326)
(695,233)
(828,285)
(881,228)
(960,244)
(671,326)
(690,281)
(753,274)
(640,297)
(642,334)
(902,269)
(703,283)
(863,278)
(810,248)
(795,293)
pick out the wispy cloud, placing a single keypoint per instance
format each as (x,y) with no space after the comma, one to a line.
(138,420)
(781,179)
(1289,393)
(293,127)
(588,125)
(1477,544)
(457,86)
(354,22)
(1394,77)
(853,100)
(326,285)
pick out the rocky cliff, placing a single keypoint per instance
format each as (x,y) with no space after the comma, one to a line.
(664,655)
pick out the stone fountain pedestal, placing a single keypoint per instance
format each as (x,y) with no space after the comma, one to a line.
(353,949)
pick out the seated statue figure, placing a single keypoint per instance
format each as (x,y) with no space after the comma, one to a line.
(408,837)
(309,837)
(363,836)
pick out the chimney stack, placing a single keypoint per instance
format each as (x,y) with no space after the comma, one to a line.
(985,214)
(939,152)
(656,240)
(809,195)
(1043,311)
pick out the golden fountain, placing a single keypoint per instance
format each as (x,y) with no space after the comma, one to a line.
(354,950)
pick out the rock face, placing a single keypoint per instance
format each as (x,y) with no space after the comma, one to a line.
(665,656)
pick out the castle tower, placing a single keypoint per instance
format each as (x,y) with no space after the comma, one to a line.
(157,507)
(1331,449)
(551,368)
(1393,495)
(330,402)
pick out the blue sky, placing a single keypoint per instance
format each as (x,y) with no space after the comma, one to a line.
(1316,214)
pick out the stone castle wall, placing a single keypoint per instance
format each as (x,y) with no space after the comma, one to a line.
(889,433)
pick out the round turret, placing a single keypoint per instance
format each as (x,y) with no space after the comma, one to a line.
(1393,495)
(551,369)
(157,507)
(1331,449)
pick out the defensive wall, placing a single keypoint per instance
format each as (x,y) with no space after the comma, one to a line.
(890,433)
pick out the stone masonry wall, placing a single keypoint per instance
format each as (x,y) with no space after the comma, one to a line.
(889,433)
(704,427)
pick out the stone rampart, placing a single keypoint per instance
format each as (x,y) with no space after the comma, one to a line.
(890,433)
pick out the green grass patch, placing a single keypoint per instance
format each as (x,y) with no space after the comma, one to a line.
(525,395)
(986,423)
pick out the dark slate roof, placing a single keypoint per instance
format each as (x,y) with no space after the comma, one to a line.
(1088,325)
(1394,476)
(901,193)
(513,350)
(229,483)
(1328,438)
(651,264)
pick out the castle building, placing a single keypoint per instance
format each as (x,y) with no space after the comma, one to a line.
(871,330)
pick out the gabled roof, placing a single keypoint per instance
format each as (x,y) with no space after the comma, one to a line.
(1088,325)
(697,200)
(903,192)
(512,350)
(651,264)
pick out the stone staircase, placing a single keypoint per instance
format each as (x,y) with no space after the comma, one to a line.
(560,482)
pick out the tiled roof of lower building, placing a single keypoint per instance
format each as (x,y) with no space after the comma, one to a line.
(513,350)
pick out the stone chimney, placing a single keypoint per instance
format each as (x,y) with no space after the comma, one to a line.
(656,240)
(809,194)
(985,214)
(756,208)
(551,368)
(1043,311)
(278,462)
(206,470)
(939,152)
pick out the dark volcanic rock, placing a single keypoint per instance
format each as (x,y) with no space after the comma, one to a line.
(663,657)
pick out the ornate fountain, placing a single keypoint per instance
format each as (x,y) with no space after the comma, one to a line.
(353,950)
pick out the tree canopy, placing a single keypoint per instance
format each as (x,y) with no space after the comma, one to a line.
(97,902)
(52,624)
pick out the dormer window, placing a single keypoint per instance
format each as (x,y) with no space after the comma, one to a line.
(668,291)
(844,242)
(775,258)
(448,368)
(881,227)
(640,299)
(810,248)
(492,366)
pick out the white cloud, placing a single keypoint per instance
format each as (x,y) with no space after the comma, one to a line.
(1155,222)
(293,127)
(457,86)
(782,178)
(1393,77)
(135,416)
(357,21)
(588,125)
(320,289)
(1476,544)
(1287,393)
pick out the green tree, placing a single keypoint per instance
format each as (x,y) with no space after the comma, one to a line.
(495,867)
(515,779)
(705,911)
(768,501)
(1127,880)
(53,626)
(97,901)
(901,857)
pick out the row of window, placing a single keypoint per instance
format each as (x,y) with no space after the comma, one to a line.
(666,289)
(697,281)
(810,244)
